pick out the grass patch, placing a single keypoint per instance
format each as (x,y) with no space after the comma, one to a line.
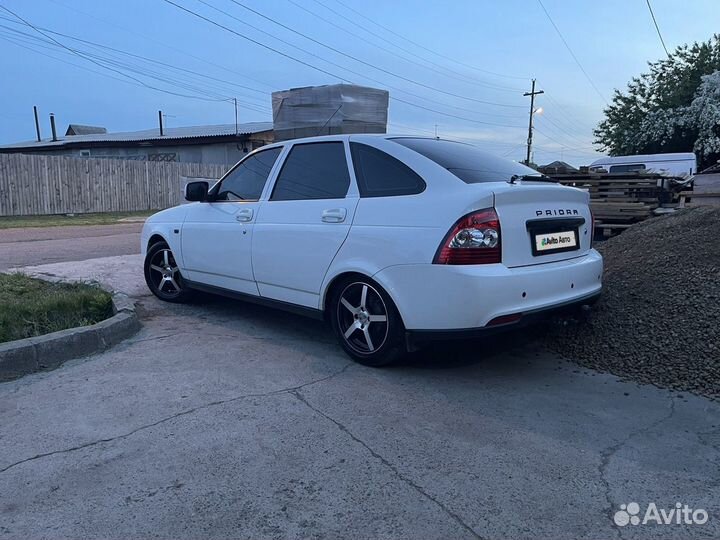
(32,307)
(12,222)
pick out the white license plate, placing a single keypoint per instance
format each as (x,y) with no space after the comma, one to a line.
(556,241)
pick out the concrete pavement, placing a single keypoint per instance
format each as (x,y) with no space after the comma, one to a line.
(223,419)
(41,245)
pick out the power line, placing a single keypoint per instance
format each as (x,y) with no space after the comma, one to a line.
(153,74)
(22,39)
(564,152)
(105,63)
(571,52)
(369,64)
(454,60)
(256,42)
(546,116)
(561,143)
(325,71)
(204,61)
(561,132)
(513,149)
(446,72)
(129,54)
(207,96)
(363,76)
(99,64)
(569,118)
(657,27)
(423,107)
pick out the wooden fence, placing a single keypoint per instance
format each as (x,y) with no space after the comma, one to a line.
(35,185)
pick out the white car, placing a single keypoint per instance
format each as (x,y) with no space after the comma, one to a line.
(393,240)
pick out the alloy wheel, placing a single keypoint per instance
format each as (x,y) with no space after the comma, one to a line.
(164,273)
(362,318)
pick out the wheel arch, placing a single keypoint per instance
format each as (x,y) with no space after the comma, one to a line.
(154,239)
(340,277)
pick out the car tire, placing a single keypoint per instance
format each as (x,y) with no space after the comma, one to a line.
(162,274)
(366,322)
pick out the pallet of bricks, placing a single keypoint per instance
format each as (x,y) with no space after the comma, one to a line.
(620,199)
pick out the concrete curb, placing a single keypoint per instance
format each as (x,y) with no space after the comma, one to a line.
(18,358)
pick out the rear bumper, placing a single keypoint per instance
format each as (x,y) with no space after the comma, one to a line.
(420,336)
(433,297)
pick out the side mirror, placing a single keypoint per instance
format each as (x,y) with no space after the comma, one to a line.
(196,191)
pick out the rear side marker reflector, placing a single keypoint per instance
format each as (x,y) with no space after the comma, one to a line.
(474,239)
(505,319)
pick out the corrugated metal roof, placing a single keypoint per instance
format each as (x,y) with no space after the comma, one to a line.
(148,135)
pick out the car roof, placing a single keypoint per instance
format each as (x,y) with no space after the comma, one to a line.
(358,137)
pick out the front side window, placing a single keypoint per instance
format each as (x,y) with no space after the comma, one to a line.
(381,175)
(313,171)
(246,181)
(467,162)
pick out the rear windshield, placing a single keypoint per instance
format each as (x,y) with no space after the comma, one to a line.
(467,162)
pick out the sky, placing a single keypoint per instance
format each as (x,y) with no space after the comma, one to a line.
(457,68)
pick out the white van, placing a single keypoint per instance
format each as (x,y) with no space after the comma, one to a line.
(677,164)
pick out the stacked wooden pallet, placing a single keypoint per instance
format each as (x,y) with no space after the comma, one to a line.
(619,199)
(705,192)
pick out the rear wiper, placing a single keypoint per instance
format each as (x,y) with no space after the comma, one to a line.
(531,178)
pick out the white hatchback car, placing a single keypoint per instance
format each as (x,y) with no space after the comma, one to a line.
(393,240)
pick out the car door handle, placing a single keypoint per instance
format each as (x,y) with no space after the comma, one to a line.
(244,215)
(334,215)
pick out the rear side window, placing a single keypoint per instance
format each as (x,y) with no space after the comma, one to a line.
(467,162)
(313,171)
(247,180)
(381,175)
(627,168)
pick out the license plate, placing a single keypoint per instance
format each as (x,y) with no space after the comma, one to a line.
(555,242)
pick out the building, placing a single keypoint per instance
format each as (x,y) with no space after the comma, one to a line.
(557,167)
(298,112)
(223,144)
(79,129)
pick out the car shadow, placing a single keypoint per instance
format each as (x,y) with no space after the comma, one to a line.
(468,352)
(439,355)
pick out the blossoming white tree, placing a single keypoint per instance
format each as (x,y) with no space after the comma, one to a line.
(673,108)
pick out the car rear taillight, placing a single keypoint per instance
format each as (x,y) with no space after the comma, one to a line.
(592,227)
(474,239)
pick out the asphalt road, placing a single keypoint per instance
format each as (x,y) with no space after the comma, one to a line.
(41,245)
(223,419)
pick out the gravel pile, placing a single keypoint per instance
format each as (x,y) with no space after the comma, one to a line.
(658,320)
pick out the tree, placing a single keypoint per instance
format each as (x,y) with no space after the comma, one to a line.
(672,108)
(703,117)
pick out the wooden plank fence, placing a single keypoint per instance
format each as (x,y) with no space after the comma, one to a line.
(35,184)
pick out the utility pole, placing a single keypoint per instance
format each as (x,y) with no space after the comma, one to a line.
(236,124)
(37,123)
(532,93)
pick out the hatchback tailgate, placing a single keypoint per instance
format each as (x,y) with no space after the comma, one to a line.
(542,222)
